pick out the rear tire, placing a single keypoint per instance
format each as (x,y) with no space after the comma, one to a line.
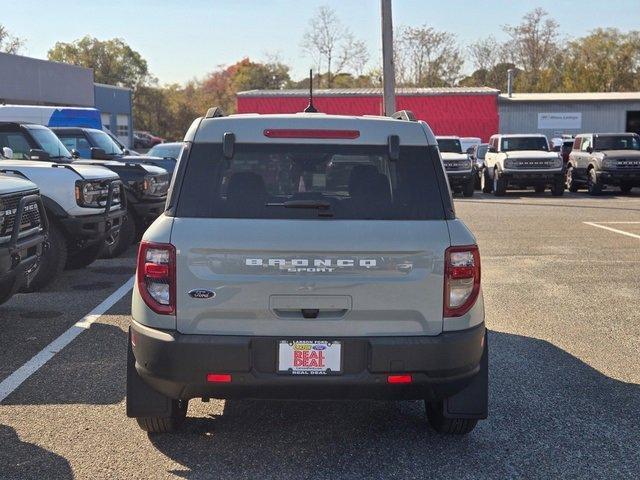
(166,424)
(469,188)
(499,185)
(52,261)
(448,426)
(594,185)
(84,257)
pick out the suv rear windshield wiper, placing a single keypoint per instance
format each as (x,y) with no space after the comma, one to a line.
(311,204)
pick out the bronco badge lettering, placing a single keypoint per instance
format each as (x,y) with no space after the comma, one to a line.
(308,265)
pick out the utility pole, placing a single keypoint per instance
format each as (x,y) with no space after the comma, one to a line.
(388,67)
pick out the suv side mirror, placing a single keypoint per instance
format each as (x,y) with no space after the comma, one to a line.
(75,153)
(7,153)
(470,151)
(98,154)
(126,151)
(589,149)
(38,154)
(492,150)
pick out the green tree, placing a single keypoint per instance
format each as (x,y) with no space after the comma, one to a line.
(9,43)
(495,77)
(113,61)
(250,75)
(606,60)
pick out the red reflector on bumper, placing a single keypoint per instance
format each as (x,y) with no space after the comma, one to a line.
(399,379)
(218,378)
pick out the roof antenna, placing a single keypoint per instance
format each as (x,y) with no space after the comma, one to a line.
(310,108)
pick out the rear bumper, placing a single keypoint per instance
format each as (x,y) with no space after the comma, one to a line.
(176,365)
(92,229)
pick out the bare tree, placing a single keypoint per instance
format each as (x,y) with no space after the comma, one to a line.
(9,43)
(486,53)
(329,43)
(533,44)
(427,57)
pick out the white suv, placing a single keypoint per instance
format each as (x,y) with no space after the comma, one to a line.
(521,161)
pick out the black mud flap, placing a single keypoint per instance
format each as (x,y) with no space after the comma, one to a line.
(473,401)
(142,400)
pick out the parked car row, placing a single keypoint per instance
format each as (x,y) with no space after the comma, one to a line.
(86,198)
(591,161)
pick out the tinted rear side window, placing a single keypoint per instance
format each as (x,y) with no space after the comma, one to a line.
(300,181)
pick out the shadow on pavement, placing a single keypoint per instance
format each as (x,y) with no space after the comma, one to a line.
(551,415)
(22,460)
(89,371)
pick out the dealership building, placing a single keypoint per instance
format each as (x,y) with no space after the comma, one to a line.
(30,81)
(468,112)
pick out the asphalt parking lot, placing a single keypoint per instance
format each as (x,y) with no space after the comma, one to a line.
(561,280)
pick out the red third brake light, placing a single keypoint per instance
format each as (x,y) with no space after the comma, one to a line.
(310,133)
(156,276)
(461,279)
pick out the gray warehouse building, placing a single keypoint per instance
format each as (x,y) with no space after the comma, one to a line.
(30,81)
(554,114)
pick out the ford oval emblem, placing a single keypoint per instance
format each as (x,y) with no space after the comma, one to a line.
(201,293)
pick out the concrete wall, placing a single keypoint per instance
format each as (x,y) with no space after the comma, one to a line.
(597,116)
(26,80)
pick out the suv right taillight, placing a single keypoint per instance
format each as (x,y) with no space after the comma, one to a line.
(156,276)
(461,279)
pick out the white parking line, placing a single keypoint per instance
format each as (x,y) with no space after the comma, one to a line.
(14,380)
(621,232)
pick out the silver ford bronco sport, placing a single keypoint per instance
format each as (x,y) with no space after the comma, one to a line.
(308,256)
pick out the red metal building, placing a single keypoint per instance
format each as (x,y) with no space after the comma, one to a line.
(467,112)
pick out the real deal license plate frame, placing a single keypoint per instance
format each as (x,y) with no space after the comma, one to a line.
(310,357)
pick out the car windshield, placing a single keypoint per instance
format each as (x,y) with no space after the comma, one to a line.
(166,150)
(303,181)
(105,142)
(450,145)
(482,151)
(49,142)
(616,142)
(510,144)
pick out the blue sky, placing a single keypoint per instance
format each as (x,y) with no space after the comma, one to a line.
(187,39)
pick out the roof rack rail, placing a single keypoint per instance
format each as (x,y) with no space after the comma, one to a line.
(214,112)
(404,115)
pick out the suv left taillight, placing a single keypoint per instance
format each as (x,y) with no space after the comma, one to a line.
(156,276)
(461,279)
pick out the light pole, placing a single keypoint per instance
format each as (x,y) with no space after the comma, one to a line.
(388,67)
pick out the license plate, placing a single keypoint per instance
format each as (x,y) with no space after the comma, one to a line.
(309,357)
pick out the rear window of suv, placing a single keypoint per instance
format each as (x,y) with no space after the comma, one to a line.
(304,181)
